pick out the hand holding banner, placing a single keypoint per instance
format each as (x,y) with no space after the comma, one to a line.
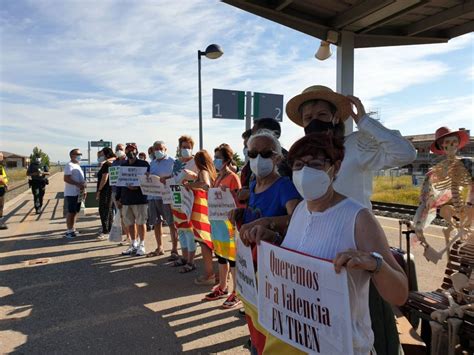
(245,281)
(303,302)
(129,175)
(220,203)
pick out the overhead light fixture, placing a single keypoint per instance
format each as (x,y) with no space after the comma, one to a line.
(324,50)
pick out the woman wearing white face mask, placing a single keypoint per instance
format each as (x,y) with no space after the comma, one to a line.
(332,226)
(272,200)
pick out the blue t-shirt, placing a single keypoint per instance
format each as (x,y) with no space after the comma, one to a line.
(163,167)
(271,202)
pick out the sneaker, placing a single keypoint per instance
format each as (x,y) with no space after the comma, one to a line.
(70,235)
(103,236)
(130,250)
(216,294)
(232,301)
(140,250)
(3,225)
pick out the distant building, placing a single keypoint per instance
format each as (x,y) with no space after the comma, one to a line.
(425,158)
(13,160)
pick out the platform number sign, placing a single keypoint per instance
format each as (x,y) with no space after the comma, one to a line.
(228,104)
(267,105)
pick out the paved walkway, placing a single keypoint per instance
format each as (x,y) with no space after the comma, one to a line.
(87,298)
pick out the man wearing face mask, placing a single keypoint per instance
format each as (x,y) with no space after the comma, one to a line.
(3,190)
(162,165)
(74,190)
(38,174)
(371,148)
(134,205)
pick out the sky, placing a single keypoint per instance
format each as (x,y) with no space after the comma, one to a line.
(126,71)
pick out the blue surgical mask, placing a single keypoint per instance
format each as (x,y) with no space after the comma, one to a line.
(160,154)
(186,153)
(218,163)
(101,159)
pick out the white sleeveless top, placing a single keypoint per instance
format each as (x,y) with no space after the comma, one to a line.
(323,235)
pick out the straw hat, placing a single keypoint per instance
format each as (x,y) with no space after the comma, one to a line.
(318,92)
(443,132)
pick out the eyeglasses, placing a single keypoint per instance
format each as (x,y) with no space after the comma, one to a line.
(265,154)
(315,164)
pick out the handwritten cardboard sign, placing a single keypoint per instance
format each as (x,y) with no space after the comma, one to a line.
(245,281)
(182,199)
(129,175)
(151,185)
(302,301)
(113,175)
(220,203)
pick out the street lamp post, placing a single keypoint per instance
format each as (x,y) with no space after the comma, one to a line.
(213,51)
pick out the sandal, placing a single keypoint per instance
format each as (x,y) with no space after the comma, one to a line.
(174,256)
(187,268)
(179,262)
(156,252)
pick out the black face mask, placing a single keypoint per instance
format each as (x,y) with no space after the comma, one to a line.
(317,126)
(131,155)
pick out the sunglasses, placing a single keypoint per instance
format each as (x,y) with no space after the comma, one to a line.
(265,154)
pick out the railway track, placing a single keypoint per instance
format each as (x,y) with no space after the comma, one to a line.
(396,210)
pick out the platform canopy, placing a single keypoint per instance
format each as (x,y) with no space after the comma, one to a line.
(374,23)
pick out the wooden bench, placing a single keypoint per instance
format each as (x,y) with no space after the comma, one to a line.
(424,303)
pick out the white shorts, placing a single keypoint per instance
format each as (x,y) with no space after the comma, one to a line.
(134,214)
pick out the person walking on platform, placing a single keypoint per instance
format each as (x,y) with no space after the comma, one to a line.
(74,190)
(104,192)
(3,190)
(39,179)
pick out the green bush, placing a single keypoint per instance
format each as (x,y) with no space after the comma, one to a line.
(395,190)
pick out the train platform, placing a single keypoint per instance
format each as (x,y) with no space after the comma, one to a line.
(82,295)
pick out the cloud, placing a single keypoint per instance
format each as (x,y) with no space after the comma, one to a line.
(127,71)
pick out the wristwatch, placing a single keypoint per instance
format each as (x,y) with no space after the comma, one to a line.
(379,259)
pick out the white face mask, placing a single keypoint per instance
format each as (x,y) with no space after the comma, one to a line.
(311,183)
(120,154)
(186,153)
(159,154)
(262,167)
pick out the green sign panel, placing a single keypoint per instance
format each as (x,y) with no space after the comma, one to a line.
(228,104)
(267,106)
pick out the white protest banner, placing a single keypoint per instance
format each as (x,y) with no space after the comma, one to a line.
(182,199)
(303,302)
(245,281)
(151,185)
(113,175)
(129,175)
(220,203)
(167,198)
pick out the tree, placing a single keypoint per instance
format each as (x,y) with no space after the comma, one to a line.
(39,153)
(240,163)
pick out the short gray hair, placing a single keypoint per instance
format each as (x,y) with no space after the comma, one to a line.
(159,142)
(267,134)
